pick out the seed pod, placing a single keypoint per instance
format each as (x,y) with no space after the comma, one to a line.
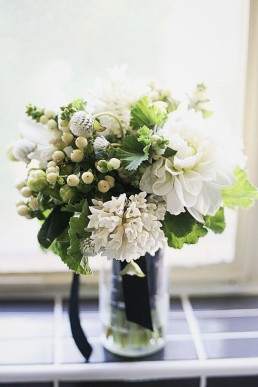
(37,180)
(81,124)
(68,194)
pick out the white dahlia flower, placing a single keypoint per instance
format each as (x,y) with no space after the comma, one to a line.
(125,228)
(116,95)
(193,178)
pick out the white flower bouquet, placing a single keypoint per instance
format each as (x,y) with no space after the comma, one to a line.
(126,170)
(121,174)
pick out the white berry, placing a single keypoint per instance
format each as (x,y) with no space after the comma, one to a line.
(34,203)
(73,180)
(44,119)
(115,163)
(49,113)
(50,169)
(67,137)
(51,164)
(110,180)
(77,156)
(103,186)
(87,177)
(58,156)
(52,124)
(52,177)
(23,210)
(81,142)
(26,192)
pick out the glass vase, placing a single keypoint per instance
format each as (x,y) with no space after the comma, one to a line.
(123,337)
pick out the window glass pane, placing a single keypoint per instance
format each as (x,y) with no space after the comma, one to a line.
(53,50)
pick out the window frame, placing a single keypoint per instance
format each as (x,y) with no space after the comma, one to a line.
(239,275)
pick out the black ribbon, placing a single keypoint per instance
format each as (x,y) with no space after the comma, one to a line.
(137,295)
(78,335)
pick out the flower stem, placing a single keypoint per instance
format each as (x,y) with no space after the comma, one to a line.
(115,118)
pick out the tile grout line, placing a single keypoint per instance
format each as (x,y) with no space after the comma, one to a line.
(195,332)
(58,311)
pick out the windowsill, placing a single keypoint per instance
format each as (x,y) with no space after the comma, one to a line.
(207,337)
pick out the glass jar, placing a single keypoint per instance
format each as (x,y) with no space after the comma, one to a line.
(123,337)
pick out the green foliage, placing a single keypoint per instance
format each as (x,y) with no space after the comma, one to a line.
(73,107)
(181,229)
(143,113)
(145,138)
(169,152)
(131,153)
(68,244)
(242,193)
(34,112)
(79,104)
(73,207)
(216,223)
(53,226)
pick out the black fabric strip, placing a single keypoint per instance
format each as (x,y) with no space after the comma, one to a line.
(136,296)
(79,336)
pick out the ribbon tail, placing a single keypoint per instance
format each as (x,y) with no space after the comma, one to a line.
(78,335)
(137,296)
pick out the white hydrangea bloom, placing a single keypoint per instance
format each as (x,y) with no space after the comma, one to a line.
(193,178)
(125,229)
(116,95)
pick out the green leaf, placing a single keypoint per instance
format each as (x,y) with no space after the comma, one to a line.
(242,193)
(131,153)
(73,207)
(77,261)
(144,139)
(169,152)
(53,226)
(67,244)
(79,104)
(143,113)
(181,229)
(216,223)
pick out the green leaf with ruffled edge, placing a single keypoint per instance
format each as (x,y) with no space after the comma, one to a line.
(68,244)
(182,229)
(131,153)
(143,113)
(217,222)
(242,193)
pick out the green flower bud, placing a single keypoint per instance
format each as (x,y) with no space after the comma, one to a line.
(68,194)
(37,180)
(102,166)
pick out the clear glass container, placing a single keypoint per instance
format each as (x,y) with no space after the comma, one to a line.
(121,336)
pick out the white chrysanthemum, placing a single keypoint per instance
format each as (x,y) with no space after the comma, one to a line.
(116,95)
(193,178)
(125,229)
